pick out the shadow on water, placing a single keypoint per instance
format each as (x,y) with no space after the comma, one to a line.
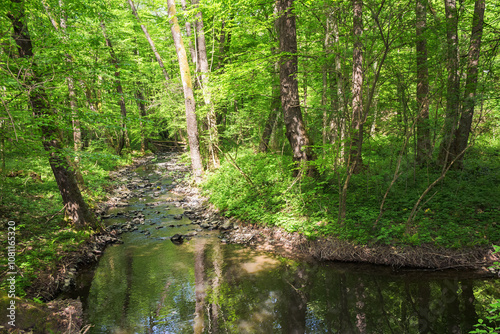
(150,285)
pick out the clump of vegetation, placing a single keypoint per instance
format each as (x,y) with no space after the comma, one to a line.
(462,210)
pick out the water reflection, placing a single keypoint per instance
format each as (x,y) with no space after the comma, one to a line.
(204,287)
(150,285)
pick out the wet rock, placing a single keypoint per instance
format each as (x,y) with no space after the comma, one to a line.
(227,225)
(177,239)
(158,227)
(205,225)
(178,217)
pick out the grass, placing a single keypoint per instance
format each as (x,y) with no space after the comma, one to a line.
(461,211)
(43,236)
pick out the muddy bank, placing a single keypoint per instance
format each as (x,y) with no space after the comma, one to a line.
(277,240)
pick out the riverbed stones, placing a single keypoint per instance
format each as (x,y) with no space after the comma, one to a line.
(177,239)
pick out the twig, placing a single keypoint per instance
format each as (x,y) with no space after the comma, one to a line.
(235,165)
(443,174)
(55,214)
(86,329)
(394,179)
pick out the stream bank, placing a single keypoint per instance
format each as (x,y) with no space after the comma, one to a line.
(144,208)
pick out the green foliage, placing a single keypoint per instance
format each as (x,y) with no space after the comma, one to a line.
(43,236)
(462,212)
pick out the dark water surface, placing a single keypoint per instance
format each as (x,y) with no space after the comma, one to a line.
(151,285)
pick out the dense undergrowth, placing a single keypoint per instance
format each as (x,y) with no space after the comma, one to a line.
(29,196)
(460,211)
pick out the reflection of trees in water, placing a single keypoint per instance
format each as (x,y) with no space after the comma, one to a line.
(299,298)
(199,285)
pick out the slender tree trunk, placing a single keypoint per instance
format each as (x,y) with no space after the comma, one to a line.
(150,41)
(356,140)
(462,134)
(192,125)
(75,206)
(341,95)
(295,128)
(77,132)
(271,119)
(2,144)
(139,96)
(354,161)
(119,90)
(192,49)
(453,86)
(327,45)
(423,129)
(213,140)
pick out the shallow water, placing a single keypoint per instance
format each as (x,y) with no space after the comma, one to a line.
(150,285)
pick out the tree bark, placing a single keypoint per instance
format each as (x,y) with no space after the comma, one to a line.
(192,49)
(356,141)
(75,207)
(295,127)
(423,130)
(213,140)
(192,125)
(150,41)
(453,85)
(467,113)
(139,96)
(119,91)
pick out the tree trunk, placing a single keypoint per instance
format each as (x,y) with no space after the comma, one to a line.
(192,125)
(462,134)
(354,161)
(2,144)
(341,95)
(453,86)
(119,90)
(356,141)
(77,132)
(271,119)
(213,140)
(295,128)
(192,49)
(150,41)
(142,110)
(75,207)
(423,129)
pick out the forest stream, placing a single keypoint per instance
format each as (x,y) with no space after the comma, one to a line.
(172,274)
